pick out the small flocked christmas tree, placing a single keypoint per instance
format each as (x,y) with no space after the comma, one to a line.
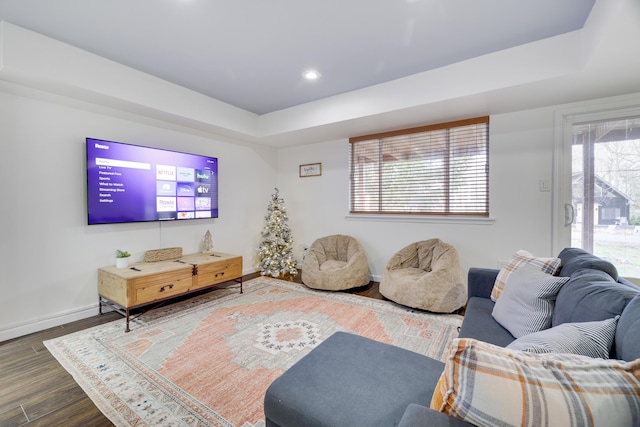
(275,250)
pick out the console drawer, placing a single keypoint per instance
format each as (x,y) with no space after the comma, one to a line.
(152,288)
(162,290)
(218,272)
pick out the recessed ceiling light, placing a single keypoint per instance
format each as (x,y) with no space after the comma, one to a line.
(311,75)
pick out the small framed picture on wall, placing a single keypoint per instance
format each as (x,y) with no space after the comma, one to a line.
(310,169)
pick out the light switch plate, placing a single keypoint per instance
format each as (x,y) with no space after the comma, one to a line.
(545,185)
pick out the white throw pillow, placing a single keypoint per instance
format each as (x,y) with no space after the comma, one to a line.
(526,303)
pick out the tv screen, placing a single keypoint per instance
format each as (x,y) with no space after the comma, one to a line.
(131,183)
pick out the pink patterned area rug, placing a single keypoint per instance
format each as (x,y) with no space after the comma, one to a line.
(208,361)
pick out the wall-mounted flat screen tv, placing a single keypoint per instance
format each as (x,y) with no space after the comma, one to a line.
(132,183)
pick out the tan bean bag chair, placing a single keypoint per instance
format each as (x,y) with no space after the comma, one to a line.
(335,263)
(425,275)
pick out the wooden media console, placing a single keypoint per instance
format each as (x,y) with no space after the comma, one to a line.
(145,283)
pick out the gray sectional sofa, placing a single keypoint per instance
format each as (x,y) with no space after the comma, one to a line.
(349,380)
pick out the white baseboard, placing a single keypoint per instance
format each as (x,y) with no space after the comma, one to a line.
(37,325)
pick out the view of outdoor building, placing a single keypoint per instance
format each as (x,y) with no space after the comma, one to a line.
(606,191)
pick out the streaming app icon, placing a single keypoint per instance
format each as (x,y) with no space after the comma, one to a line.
(203,175)
(166,173)
(186,215)
(186,174)
(165,204)
(186,189)
(203,189)
(203,203)
(165,188)
(186,203)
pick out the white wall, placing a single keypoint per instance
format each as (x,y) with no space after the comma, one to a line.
(49,256)
(521,154)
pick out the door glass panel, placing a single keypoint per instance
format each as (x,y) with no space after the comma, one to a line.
(606,191)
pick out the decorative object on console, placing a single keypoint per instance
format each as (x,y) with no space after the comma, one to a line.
(207,243)
(275,250)
(164,254)
(122,258)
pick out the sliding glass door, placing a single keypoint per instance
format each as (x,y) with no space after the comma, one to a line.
(602,211)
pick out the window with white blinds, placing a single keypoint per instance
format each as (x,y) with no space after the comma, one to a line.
(431,170)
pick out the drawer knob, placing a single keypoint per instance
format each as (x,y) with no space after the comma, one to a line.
(220,274)
(169,286)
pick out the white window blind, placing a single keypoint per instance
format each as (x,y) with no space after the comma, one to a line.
(431,170)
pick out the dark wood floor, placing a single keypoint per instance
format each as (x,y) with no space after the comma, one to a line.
(37,391)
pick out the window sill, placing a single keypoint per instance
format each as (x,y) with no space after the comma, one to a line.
(422,218)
